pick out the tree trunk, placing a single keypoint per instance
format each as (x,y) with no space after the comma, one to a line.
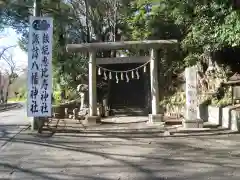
(7,93)
(87,22)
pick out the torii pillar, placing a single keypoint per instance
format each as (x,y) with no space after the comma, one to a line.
(155,116)
(92,86)
(91,48)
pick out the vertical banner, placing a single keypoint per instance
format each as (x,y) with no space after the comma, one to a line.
(191,93)
(39,101)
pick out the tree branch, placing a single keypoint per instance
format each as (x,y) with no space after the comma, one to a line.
(5,49)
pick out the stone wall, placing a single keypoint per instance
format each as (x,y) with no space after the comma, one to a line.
(227,117)
(231,117)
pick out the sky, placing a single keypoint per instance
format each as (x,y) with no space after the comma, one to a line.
(10,37)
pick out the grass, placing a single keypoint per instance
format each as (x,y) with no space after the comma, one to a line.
(17,100)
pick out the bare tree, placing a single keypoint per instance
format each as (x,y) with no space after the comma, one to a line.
(4,72)
(10,70)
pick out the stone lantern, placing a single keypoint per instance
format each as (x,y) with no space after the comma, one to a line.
(234,82)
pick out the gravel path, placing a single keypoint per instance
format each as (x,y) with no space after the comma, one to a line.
(104,156)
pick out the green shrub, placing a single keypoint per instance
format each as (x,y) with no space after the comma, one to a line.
(56,97)
(72,94)
(177,99)
(225,100)
(22,94)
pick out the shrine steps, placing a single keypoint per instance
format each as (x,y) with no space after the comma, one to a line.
(172,121)
(110,125)
(129,111)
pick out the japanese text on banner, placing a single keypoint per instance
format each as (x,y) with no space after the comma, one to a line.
(40,67)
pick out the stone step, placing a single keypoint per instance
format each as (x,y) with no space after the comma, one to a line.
(142,128)
(129,111)
(71,125)
(178,121)
(182,130)
(118,119)
(210,125)
(172,121)
(111,121)
(123,120)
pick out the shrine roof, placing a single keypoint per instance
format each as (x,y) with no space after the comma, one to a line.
(148,44)
(234,80)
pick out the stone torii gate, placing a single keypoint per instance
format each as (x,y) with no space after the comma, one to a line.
(92,48)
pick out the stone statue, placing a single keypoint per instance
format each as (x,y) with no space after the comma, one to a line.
(82,89)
